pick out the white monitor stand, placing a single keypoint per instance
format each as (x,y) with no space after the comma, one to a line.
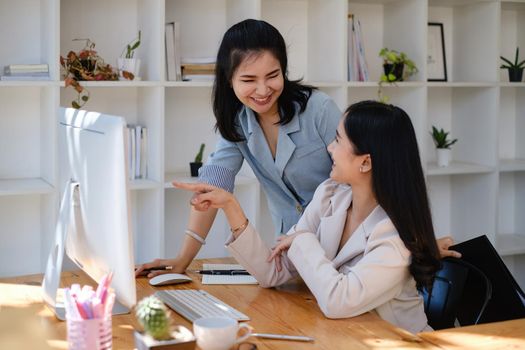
(51,281)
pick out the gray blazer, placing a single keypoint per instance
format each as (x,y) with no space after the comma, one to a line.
(369,273)
(301,161)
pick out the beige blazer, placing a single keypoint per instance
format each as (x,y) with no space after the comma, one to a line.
(369,273)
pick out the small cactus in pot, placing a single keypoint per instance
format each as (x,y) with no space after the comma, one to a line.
(153,316)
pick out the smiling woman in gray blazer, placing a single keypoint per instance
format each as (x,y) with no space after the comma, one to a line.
(366,241)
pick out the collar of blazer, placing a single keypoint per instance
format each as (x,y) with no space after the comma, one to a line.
(332,225)
(258,146)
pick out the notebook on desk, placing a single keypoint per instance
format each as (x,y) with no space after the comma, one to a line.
(508,300)
(226,279)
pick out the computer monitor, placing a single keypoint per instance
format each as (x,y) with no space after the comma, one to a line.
(94,225)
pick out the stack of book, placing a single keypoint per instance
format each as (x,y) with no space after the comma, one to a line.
(25,72)
(137,151)
(198,69)
(357,67)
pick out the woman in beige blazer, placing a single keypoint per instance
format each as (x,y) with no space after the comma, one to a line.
(365,242)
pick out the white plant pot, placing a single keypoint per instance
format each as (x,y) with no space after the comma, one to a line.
(131,65)
(443,157)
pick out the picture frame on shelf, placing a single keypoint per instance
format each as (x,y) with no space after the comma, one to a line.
(436,61)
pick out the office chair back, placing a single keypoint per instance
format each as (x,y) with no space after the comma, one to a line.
(460,292)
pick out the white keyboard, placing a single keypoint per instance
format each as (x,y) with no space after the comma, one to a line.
(193,304)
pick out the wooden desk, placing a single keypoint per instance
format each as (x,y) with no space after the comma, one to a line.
(490,336)
(289,309)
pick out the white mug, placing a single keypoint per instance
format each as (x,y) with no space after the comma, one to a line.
(218,333)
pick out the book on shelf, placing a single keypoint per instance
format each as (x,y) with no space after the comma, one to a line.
(173,59)
(26,68)
(198,71)
(137,152)
(357,66)
(20,77)
(198,77)
(198,60)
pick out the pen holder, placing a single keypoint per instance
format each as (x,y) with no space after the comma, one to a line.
(89,334)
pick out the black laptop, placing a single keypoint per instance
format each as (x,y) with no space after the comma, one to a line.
(508,300)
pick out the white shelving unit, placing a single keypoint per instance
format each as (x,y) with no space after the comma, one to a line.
(481,192)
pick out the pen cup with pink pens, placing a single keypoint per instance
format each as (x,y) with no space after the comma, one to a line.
(88,316)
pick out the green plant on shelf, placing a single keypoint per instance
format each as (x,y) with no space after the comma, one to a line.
(515,68)
(396,67)
(198,157)
(131,47)
(440,138)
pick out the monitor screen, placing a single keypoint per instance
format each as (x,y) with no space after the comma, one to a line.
(94,221)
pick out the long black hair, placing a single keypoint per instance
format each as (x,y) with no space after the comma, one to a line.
(386,133)
(246,38)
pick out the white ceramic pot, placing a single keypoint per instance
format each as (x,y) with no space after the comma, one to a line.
(443,157)
(131,65)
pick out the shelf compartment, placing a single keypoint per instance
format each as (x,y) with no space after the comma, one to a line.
(471,38)
(127,17)
(511,202)
(138,105)
(28,124)
(10,187)
(470,115)
(463,205)
(511,125)
(398,25)
(510,244)
(512,35)
(457,168)
(203,24)
(21,221)
(33,40)
(304,25)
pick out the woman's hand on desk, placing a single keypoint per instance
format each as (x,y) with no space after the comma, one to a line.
(159,267)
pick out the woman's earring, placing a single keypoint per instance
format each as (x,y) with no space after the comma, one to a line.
(361,169)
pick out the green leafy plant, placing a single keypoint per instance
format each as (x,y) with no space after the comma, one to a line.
(153,316)
(393,59)
(397,66)
(131,47)
(440,138)
(86,65)
(198,157)
(513,65)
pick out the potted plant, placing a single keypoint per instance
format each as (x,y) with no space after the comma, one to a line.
(440,138)
(154,318)
(86,65)
(129,66)
(397,67)
(515,68)
(197,163)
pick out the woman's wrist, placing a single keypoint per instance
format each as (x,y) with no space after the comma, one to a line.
(234,213)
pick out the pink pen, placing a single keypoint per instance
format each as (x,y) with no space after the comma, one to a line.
(81,310)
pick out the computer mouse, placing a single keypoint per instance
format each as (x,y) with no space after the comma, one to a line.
(169,278)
